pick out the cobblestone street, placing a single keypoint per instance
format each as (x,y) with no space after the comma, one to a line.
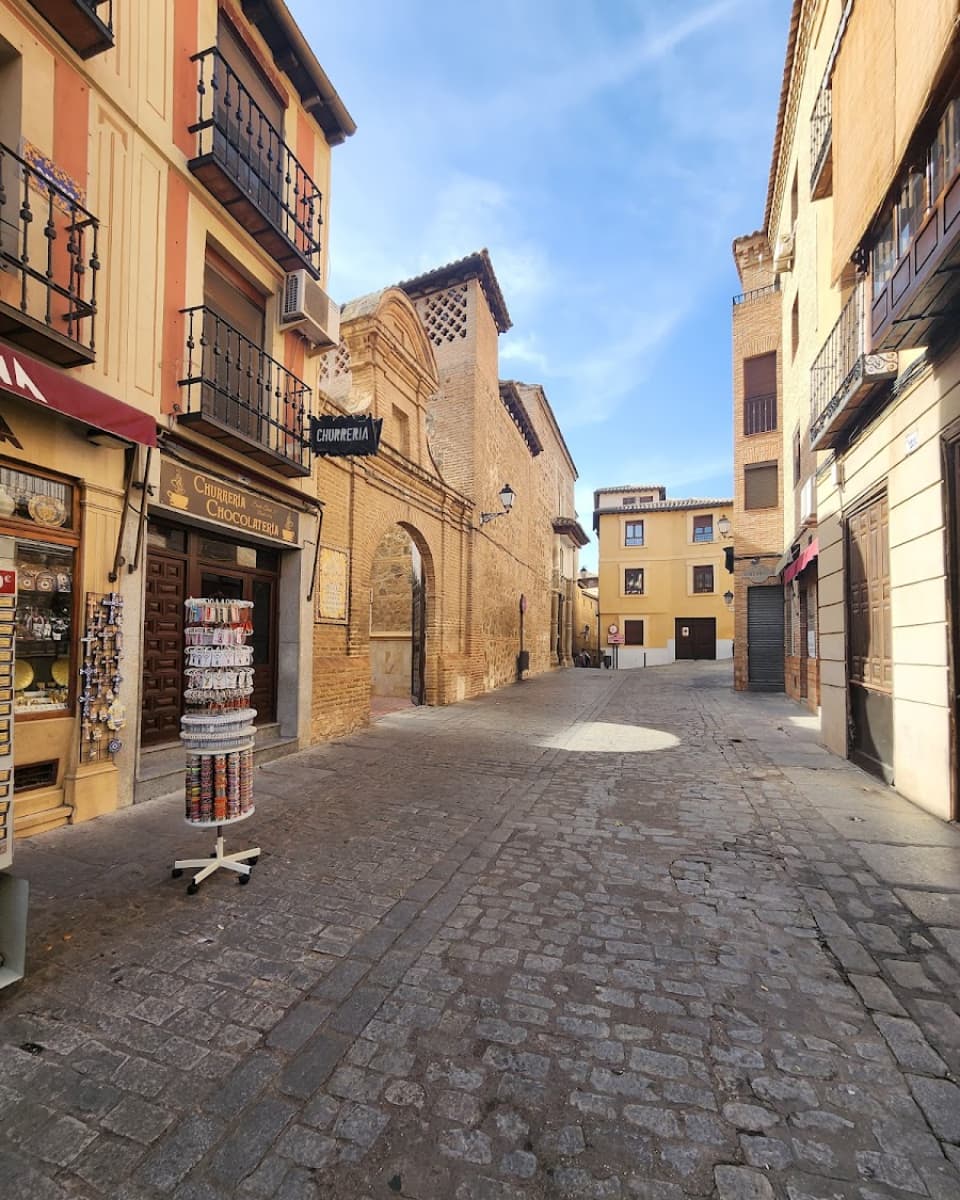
(600,935)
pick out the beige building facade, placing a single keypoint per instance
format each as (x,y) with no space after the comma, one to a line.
(861,218)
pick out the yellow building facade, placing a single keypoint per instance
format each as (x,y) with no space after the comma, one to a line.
(166,339)
(665,591)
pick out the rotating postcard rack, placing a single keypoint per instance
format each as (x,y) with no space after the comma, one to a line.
(217,730)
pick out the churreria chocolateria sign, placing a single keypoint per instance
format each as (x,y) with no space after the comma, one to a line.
(340,436)
(227,503)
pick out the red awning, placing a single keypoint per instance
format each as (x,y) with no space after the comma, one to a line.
(27,377)
(807,555)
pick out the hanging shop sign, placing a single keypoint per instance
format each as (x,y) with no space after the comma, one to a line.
(340,436)
(227,503)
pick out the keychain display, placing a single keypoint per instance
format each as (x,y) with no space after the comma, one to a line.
(102,715)
(217,728)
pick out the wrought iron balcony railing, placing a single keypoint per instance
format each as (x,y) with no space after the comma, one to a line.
(48,263)
(87,25)
(756,293)
(821,145)
(243,160)
(235,393)
(843,374)
(759,414)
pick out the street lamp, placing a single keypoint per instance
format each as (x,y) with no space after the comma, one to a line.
(728,598)
(723,526)
(507,496)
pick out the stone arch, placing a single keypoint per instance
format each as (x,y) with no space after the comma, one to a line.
(378,589)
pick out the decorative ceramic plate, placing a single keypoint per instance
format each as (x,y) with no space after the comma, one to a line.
(60,670)
(47,510)
(22,675)
(46,581)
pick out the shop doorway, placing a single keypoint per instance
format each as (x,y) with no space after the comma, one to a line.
(398,624)
(765,639)
(183,562)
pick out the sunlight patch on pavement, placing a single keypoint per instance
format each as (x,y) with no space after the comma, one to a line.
(605,737)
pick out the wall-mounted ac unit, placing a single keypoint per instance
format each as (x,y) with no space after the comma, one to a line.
(306,307)
(808,502)
(783,253)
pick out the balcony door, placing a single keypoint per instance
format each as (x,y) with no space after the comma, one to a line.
(234,326)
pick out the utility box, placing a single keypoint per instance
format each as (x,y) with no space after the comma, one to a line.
(13,892)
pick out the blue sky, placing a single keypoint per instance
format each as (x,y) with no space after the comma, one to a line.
(606,154)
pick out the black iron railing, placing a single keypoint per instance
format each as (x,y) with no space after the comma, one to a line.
(235,131)
(759,413)
(48,240)
(233,384)
(840,357)
(821,133)
(756,293)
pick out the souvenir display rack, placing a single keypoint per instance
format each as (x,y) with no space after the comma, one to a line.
(217,729)
(8,605)
(101,713)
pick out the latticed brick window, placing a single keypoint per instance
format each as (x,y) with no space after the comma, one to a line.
(335,363)
(444,314)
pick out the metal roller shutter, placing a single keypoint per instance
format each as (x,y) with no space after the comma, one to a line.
(765,639)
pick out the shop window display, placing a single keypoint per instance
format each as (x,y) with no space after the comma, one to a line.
(44,626)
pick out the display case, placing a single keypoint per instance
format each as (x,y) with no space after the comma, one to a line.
(45,617)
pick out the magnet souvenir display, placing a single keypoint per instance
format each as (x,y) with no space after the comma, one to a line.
(101,713)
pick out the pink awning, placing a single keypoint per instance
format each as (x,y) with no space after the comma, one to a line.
(807,555)
(27,377)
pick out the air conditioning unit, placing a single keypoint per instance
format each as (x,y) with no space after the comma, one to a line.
(783,253)
(306,307)
(808,502)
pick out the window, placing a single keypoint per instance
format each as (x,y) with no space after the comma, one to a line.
(795,326)
(703,578)
(633,581)
(760,393)
(633,633)
(633,533)
(760,485)
(794,200)
(703,528)
(796,458)
(629,502)
(40,514)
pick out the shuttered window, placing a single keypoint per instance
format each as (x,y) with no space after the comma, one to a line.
(633,633)
(633,533)
(703,579)
(760,485)
(760,393)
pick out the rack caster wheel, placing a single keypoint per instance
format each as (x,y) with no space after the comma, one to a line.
(193,889)
(252,862)
(242,879)
(176,872)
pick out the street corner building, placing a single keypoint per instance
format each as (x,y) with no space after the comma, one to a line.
(166,338)
(665,589)
(846,404)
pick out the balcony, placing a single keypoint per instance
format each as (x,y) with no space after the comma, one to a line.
(759,414)
(48,263)
(87,25)
(244,162)
(757,293)
(821,146)
(844,376)
(921,289)
(239,396)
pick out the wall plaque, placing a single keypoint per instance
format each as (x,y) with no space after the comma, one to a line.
(229,504)
(331,598)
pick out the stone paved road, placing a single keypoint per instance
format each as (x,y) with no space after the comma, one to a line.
(599,935)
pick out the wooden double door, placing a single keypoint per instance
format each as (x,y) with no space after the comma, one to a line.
(182,563)
(696,637)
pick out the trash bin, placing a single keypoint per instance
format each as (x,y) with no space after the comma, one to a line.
(608,660)
(523,663)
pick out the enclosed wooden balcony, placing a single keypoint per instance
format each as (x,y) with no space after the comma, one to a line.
(244,162)
(922,290)
(87,25)
(48,263)
(236,394)
(844,376)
